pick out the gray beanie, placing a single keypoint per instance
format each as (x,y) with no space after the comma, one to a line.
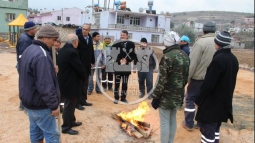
(209,27)
(48,31)
(107,37)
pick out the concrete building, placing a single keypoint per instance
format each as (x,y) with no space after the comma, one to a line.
(64,16)
(112,22)
(9,10)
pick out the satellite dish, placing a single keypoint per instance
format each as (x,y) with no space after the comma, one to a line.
(87,10)
(140,9)
(162,12)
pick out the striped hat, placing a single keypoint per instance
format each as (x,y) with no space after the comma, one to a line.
(223,39)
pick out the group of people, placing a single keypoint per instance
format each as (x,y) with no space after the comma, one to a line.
(210,71)
(209,68)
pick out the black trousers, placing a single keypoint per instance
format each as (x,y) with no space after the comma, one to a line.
(107,81)
(68,114)
(124,79)
(84,89)
(210,133)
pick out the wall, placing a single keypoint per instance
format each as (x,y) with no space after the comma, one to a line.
(104,17)
(161,21)
(143,21)
(167,24)
(112,18)
(150,21)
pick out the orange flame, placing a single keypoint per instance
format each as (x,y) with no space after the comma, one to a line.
(137,114)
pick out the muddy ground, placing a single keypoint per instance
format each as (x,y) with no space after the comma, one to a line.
(99,127)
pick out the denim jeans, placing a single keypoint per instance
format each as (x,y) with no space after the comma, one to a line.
(91,82)
(42,125)
(148,76)
(167,125)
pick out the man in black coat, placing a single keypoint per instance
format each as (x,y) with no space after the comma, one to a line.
(86,53)
(70,75)
(122,65)
(215,99)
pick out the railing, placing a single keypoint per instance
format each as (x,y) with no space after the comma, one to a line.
(138,28)
(95,26)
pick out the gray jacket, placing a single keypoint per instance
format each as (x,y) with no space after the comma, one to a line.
(201,55)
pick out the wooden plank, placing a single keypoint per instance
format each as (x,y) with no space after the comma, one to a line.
(145,124)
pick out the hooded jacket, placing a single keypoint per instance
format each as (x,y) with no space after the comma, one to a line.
(38,84)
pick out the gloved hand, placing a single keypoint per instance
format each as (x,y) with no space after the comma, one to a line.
(155,103)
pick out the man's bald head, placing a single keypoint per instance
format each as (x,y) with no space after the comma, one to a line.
(73,39)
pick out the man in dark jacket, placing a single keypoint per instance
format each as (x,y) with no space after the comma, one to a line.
(38,87)
(122,65)
(86,53)
(184,44)
(25,40)
(169,92)
(215,99)
(70,75)
(146,67)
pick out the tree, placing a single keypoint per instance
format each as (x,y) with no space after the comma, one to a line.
(188,31)
(171,25)
(233,23)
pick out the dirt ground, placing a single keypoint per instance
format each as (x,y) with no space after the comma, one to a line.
(99,127)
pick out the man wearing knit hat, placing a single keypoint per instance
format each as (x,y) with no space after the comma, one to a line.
(98,51)
(215,97)
(184,44)
(169,92)
(24,40)
(39,88)
(200,57)
(107,77)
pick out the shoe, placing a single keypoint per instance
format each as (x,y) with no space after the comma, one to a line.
(115,101)
(196,126)
(99,92)
(141,95)
(76,124)
(70,132)
(21,108)
(79,107)
(186,127)
(89,92)
(124,100)
(86,104)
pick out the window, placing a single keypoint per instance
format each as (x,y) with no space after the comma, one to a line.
(97,19)
(134,20)
(120,19)
(67,18)
(9,16)
(154,38)
(130,35)
(59,18)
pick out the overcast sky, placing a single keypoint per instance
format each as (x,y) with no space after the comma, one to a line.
(159,5)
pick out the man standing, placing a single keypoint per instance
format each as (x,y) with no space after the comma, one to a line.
(169,92)
(122,65)
(98,52)
(184,44)
(107,77)
(86,53)
(25,40)
(38,87)
(145,74)
(200,57)
(215,98)
(70,75)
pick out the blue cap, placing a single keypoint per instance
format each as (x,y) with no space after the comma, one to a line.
(185,38)
(29,25)
(78,31)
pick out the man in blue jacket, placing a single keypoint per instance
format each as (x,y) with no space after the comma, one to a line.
(39,88)
(25,40)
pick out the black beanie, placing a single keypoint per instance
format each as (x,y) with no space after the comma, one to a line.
(144,40)
(223,39)
(95,34)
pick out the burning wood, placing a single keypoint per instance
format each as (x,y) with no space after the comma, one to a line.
(132,122)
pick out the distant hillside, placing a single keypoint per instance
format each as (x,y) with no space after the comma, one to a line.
(221,17)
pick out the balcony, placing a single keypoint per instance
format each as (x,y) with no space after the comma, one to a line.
(133,27)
